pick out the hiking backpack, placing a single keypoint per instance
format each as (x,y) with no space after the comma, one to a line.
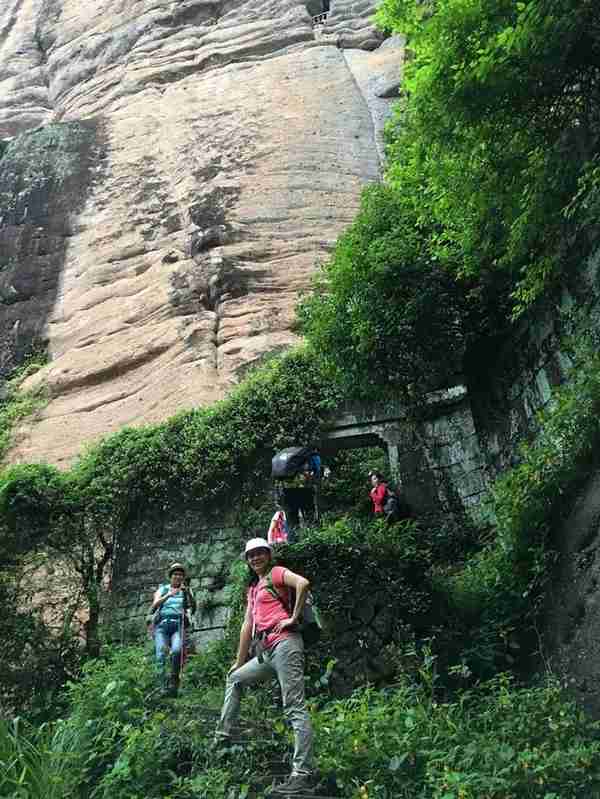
(289,462)
(310,625)
(391,505)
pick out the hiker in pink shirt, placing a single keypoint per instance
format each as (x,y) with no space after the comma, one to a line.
(278,529)
(271,625)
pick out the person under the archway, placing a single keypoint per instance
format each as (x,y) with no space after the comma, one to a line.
(170,606)
(378,493)
(279,651)
(386,503)
(298,497)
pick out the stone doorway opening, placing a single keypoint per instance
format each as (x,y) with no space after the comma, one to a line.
(345,485)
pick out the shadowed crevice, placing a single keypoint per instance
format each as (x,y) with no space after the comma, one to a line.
(45,177)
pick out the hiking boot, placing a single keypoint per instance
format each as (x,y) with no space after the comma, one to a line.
(297,783)
(221,741)
(224,743)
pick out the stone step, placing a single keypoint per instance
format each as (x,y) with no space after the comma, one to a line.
(268,784)
(305,795)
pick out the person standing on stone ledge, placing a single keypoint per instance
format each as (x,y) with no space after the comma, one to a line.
(386,504)
(270,624)
(170,606)
(378,493)
(298,497)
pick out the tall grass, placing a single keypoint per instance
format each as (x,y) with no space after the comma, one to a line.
(34,764)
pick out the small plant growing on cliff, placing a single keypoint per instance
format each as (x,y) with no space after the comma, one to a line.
(17,404)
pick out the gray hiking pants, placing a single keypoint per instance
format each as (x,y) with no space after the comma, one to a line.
(286,661)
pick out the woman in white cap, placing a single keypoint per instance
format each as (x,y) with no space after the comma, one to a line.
(271,621)
(169,606)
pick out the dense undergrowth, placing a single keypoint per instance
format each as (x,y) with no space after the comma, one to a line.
(493,741)
(443,718)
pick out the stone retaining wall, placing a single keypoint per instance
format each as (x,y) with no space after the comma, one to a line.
(206,548)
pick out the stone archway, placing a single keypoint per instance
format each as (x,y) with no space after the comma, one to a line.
(436,462)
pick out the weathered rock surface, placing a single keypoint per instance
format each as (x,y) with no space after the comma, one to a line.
(43,178)
(572,618)
(349,25)
(234,147)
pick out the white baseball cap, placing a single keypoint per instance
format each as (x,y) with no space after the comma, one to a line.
(257,543)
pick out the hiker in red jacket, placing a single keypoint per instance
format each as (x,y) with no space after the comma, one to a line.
(378,493)
(278,649)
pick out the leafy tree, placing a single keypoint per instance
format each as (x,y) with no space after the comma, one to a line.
(383,311)
(502,118)
(38,659)
(46,522)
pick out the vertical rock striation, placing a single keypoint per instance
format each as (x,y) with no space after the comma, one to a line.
(234,147)
(44,177)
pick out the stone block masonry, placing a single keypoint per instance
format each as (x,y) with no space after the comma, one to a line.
(206,548)
(472,434)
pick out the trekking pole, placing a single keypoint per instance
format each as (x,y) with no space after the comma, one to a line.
(182,646)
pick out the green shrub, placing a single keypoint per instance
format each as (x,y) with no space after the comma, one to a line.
(498,741)
(500,125)
(349,559)
(383,313)
(133,745)
(17,404)
(106,704)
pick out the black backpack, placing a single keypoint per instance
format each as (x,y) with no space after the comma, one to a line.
(310,625)
(289,462)
(391,506)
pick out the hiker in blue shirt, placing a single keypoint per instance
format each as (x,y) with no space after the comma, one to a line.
(169,607)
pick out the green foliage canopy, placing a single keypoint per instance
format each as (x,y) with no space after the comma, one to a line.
(491,191)
(383,313)
(501,121)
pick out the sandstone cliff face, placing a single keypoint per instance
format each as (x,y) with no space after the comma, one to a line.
(228,145)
